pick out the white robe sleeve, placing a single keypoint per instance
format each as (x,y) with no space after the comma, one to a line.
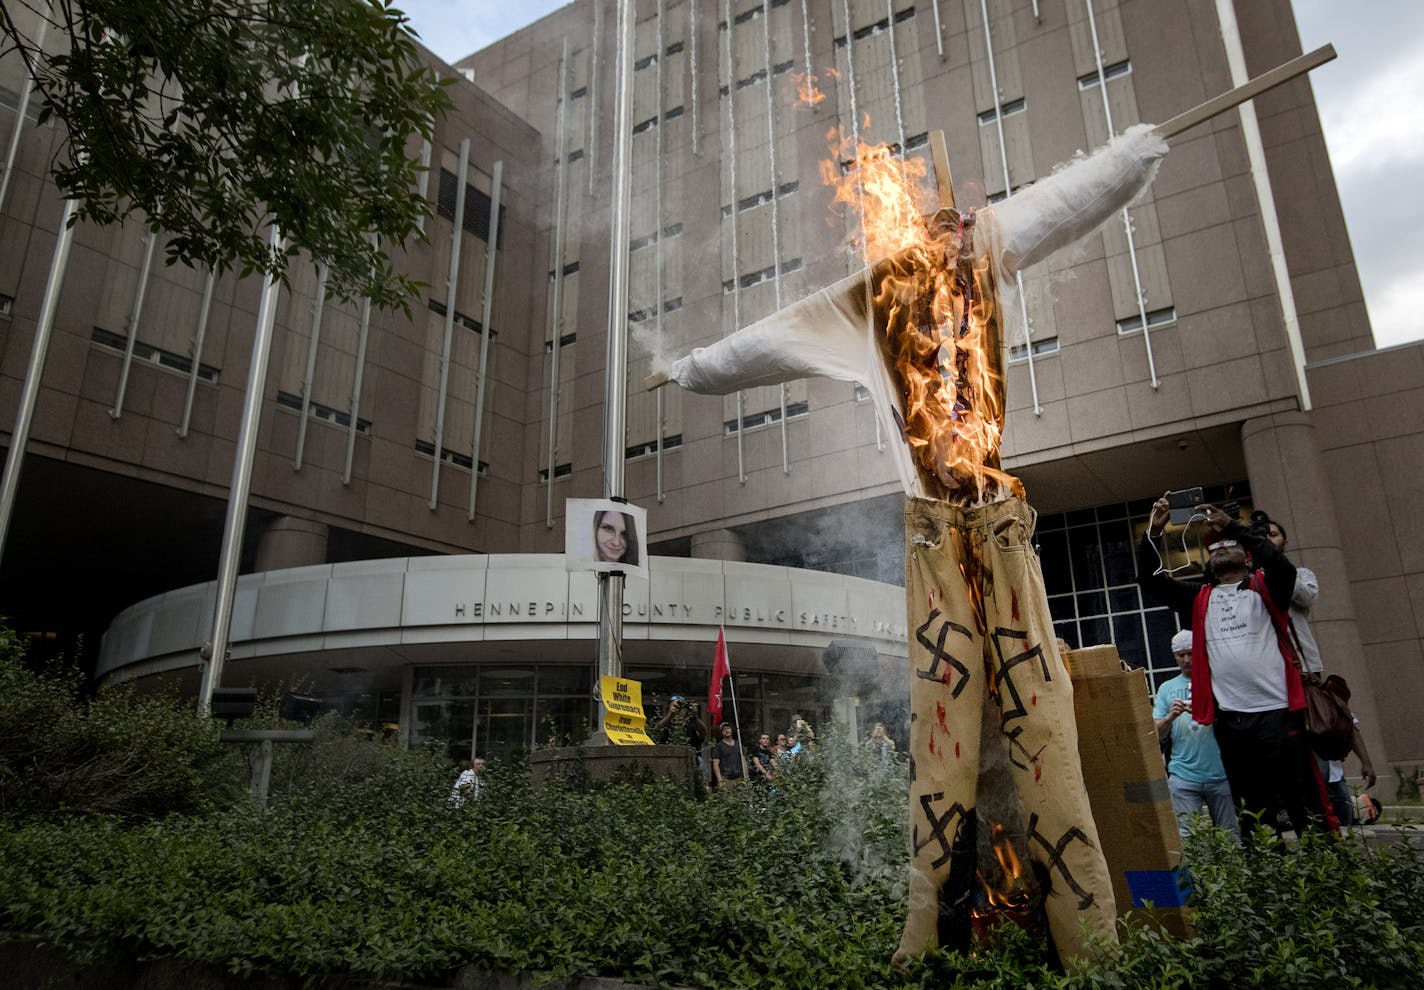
(822,336)
(1074,201)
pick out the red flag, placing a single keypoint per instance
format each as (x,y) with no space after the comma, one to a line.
(720,668)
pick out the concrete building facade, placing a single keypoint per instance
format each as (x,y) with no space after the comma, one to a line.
(1219,339)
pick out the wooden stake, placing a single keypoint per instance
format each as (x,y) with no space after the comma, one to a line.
(944,178)
(1269,79)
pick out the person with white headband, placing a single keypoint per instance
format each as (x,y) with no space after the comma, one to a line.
(1195,776)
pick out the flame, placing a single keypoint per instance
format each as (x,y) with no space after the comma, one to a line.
(934,299)
(808,93)
(1013,892)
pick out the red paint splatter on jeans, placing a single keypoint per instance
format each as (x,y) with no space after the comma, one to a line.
(939,715)
(956,750)
(1014,602)
(1037,771)
(932,749)
(1033,698)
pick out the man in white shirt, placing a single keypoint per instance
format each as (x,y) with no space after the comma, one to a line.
(1244,679)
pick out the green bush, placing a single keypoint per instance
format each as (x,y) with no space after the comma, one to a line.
(362,867)
(120,753)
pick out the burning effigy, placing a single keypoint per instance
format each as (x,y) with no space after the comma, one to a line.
(921,328)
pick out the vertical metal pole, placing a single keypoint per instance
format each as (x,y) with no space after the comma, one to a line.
(776,215)
(1126,217)
(850,87)
(22,108)
(485,316)
(134,315)
(939,30)
(895,74)
(313,345)
(422,184)
(556,304)
(456,237)
(199,336)
(736,258)
(20,435)
(1009,191)
(615,423)
(806,40)
(593,92)
(692,25)
(354,417)
(215,650)
(658,245)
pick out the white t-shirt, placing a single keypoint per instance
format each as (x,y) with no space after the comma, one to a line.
(1247,669)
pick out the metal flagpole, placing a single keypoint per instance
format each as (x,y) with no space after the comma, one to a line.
(20,435)
(610,610)
(215,650)
(736,717)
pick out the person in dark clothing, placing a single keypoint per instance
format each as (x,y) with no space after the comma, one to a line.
(761,763)
(1245,682)
(727,763)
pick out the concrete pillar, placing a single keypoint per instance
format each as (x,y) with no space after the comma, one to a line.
(718,544)
(1289,482)
(291,542)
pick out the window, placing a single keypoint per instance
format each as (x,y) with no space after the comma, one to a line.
(324,413)
(477,207)
(1155,318)
(751,421)
(1009,108)
(155,356)
(651,447)
(452,457)
(1048,345)
(1113,71)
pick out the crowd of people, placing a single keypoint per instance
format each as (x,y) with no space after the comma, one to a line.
(1232,724)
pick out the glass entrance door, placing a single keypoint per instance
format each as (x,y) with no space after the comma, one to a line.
(503,729)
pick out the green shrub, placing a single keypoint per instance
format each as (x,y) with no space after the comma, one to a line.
(362,867)
(120,753)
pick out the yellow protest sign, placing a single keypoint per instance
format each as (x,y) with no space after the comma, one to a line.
(625,721)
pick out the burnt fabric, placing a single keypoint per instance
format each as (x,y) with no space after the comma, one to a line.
(980,629)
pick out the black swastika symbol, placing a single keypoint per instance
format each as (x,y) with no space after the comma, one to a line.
(1004,677)
(1055,857)
(939,655)
(939,827)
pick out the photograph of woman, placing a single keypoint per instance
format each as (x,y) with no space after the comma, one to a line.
(615,537)
(604,535)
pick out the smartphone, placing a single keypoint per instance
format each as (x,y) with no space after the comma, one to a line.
(1184,504)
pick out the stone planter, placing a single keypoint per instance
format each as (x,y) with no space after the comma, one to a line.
(597,763)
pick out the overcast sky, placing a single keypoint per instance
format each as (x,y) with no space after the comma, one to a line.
(1371,101)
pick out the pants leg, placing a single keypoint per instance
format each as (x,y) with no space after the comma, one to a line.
(1271,768)
(980,626)
(948,685)
(1187,800)
(1221,807)
(1250,786)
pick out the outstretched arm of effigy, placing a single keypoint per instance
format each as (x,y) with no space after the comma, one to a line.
(822,336)
(1074,201)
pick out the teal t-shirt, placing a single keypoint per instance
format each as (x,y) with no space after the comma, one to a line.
(1194,753)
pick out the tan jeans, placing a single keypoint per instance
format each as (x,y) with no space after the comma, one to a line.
(980,627)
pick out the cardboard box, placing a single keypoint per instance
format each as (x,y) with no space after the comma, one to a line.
(1127,788)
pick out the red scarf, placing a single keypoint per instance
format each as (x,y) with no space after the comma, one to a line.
(1203,703)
